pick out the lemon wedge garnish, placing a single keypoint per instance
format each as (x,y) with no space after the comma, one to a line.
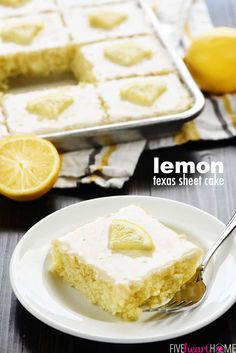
(142,93)
(127,54)
(50,106)
(22,34)
(106,19)
(126,235)
(13,3)
(29,167)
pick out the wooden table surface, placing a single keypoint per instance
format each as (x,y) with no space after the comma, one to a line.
(20,332)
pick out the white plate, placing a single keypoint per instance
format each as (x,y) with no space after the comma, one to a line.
(65,309)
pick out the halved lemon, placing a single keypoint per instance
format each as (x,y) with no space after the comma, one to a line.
(126,235)
(29,167)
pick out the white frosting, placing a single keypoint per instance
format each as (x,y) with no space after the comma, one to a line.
(83,112)
(175,99)
(77,21)
(32,6)
(169,11)
(90,244)
(3,129)
(68,3)
(53,35)
(104,69)
(1,117)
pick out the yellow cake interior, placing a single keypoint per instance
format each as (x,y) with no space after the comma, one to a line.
(53,61)
(157,288)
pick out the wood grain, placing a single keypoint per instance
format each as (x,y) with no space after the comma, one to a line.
(20,332)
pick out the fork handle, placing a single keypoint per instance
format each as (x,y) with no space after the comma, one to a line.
(224,235)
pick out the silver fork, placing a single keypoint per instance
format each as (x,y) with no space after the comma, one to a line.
(192,293)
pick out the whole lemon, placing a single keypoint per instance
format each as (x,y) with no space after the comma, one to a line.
(211,59)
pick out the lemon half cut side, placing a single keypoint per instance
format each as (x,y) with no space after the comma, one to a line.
(29,167)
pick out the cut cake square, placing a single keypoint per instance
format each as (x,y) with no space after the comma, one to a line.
(34,45)
(121,282)
(53,110)
(13,8)
(121,58)
(174,98)
(128,21)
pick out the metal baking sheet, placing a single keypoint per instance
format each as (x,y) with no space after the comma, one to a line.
(148,128)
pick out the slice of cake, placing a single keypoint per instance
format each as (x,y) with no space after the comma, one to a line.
(34,45)
(125,261)
(98,23)
(144,97)
(12,8)
(121,58)
(53,110)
